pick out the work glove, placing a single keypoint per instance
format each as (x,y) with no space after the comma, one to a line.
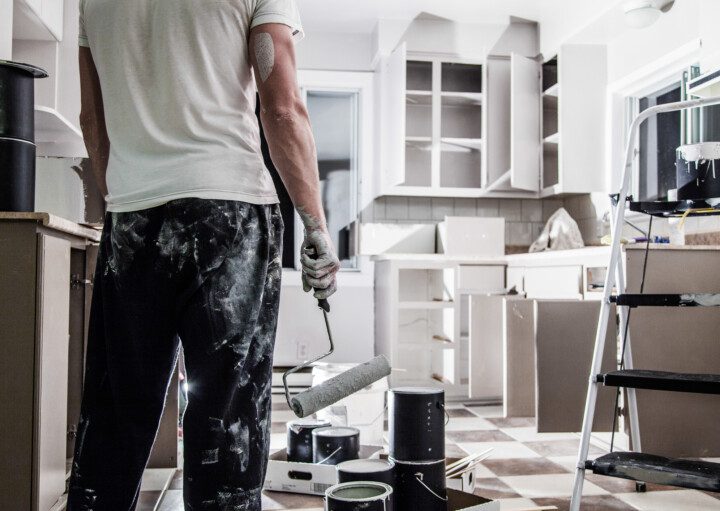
(319,263)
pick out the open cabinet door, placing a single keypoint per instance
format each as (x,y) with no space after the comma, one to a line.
(524,123)
(392,119)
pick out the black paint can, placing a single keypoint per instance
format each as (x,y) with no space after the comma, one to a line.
(299,438)
(335,445)
(376,470)
(420,486)
(697,169)
(359,496)
(417,423)
(17,135)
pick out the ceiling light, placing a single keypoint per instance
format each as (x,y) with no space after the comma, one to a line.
(641,13)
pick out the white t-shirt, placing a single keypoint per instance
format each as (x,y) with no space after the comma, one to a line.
(179,97)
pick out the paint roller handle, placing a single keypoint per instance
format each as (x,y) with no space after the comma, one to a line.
(322,302)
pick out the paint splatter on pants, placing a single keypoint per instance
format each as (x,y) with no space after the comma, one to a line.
(205,273)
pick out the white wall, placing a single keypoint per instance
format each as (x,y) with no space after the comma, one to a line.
(6,23)
(339,52)
(59,189)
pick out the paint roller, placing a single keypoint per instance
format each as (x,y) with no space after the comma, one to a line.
(338,387)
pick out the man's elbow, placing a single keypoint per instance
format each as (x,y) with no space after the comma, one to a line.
(285,112)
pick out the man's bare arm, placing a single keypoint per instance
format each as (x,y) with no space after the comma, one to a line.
(292,148)
(92,118)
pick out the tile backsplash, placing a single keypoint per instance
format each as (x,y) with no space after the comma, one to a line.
(524,218)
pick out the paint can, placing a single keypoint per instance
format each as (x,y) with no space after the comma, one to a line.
(420,486)
(335,444)
(299,438)
(417,423)
(697,168)
(376,470)
(359,496)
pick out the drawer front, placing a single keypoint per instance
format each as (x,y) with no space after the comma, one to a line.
(554,282)
(481,279)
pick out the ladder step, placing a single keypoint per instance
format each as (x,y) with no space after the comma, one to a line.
(648,468)
(661,380)
(668,300)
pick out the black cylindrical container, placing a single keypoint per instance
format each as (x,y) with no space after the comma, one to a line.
(17,100)
(335,445)
(417,424)
(17,135)
(420,486)
(379,471)
(299,438)
(697,168)
(359,496)
(17,175)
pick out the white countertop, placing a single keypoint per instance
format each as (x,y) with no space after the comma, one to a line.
(54,222)
(551,257)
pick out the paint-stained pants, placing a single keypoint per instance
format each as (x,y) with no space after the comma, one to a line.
(205,273)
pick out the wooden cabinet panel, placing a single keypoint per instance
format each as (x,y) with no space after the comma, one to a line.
(481,279)
(52,369)
(519,358)
(524,123)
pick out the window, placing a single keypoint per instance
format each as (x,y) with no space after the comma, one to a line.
(334,119)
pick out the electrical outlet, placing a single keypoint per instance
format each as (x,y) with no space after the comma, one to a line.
(302,350)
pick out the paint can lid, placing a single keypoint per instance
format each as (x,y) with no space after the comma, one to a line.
(336,431)
(417,390)
(365,466)
(359,491)
(34,71)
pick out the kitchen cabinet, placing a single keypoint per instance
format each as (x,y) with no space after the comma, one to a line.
(513,124)
(57,98)
(431,126)
(422,317)
(573,120)
(39,20)
(47,266)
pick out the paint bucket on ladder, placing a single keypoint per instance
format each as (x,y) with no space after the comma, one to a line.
(359,496)
(364,410)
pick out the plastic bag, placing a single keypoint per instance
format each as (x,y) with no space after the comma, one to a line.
(561,232)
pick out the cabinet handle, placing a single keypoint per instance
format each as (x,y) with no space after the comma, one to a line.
(77,281)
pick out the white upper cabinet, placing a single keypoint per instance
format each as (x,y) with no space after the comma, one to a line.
(573,120)
(392,123)
(38,20)
(431,126)
(57,98)
(524,123)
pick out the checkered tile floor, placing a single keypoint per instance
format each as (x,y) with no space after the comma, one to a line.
(526,469)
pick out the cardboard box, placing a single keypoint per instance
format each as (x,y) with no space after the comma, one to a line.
(308,478)
(464,482)
(461,501)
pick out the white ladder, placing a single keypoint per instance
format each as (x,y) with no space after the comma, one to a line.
(615,278)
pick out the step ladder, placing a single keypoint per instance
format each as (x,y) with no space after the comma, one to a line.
(638,466)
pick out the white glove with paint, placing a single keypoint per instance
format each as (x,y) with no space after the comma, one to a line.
(319,263)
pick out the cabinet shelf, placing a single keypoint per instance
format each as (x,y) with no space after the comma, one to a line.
(553,90)
(429,304)
(418,97)
(552,139)
(55,136)
(461,144)
(462,98)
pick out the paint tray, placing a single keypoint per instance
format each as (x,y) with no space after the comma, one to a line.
(307,478)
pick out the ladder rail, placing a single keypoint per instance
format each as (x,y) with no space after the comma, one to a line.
(610,277)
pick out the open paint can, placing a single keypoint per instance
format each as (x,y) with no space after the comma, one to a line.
(417,423)
(698,171)
(335,445)
(299,438)
(420,486)
(359,496)
(379,471)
